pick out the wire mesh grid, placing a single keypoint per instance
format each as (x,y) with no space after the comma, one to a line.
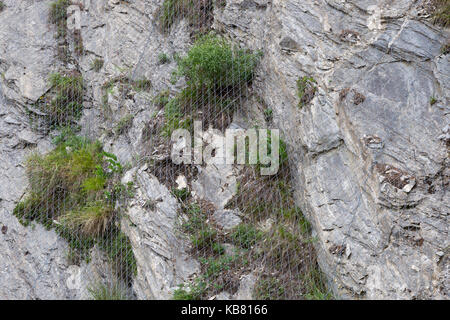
(76,189)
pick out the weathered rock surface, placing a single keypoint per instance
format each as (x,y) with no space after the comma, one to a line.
(161,250)
(370,151)
(33,262)
(393,223)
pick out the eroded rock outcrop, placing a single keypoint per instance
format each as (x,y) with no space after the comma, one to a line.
(377,66)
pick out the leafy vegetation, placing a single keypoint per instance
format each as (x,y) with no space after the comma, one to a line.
(433,101)
(162,99)
(193,291)
(2,6)
(246,236)
(216,75)
(214,64)
(74,189)
(67,104)
(163,58)
(142,84)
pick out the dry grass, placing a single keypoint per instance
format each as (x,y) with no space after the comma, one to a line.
(441,12)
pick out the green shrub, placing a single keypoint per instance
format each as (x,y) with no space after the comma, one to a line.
(2,6)
(212,62)
(204,239)
(215,266)
(196,221)
(74,189)
(67,104)
(175,119)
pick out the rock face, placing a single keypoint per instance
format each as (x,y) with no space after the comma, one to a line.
(372,170)
(161,250)
(369,149)
(32,260)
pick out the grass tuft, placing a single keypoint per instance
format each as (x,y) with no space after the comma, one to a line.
(74,189)
(67,104)
(108,292)
(97,64)
(441,15)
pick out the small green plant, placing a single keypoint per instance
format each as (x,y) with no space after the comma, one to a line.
(433,101)
(193,291)
(306,90)
(142,85)
(246,235)
(268,115)
(108,292)
(163,58)
(269,288)
(212,278)
(204,238)
(162,99)
(181,194)
(92,219)
(196,222)
(67,104)
(124,125)
(215,266)
(175,118)
(315,285)
(2,6)
(97,65)
(171,10)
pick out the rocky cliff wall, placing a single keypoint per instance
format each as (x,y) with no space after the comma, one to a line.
(369,151)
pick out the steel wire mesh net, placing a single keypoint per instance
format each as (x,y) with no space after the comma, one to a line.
(251,231)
